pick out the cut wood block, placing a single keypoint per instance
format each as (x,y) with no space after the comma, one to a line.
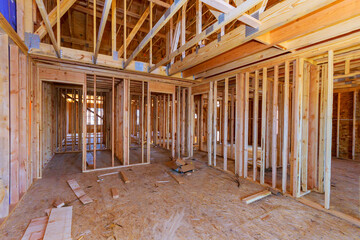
(177,178)
(58,203)
(124,177)
(187,168)
(79,192)
(59,225)
(115,193)
(256,196)
(36,228)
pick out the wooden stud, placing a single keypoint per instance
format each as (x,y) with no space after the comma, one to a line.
(215,123)
(338,125)
(226,110)
(148,138)
(285,126)
(178,123)
(209,122)
(354,128)
(263,125)
(246,123)
(255,123)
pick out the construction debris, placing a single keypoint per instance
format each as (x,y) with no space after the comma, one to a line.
(58,203)
(36,228)
(80,194)
(115,193)
(256,197)
(59,224)
(124,177)
(177,178)
(181,166)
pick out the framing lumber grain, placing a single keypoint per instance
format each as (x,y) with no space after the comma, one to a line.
(246,123)
(274,126)
(256,197)
(209,122)
(161,22)
(255,123)
(124,177)
(354,128)
(227,18)
(103,21)
(177,178)
(4,125)
(285,127)
(5,27)
(215,123)
(148,114)
(113,27)
(134,30)
(48,26)
(160,3)
(64,7)
(226,110)
(263,125)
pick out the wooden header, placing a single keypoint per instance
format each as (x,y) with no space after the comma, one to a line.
(200,89)
(56,75)
(161,87)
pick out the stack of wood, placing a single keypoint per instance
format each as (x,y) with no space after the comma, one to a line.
(180,165)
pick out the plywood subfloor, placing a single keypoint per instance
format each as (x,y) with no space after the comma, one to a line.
(207,206)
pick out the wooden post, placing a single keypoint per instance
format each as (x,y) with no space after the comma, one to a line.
(95,122)
(164,122)
(192,114)
(285,127)
(215,123)
(354,128)
(329,96)
(142,121)
(322,128)
(255,123)
(209,122)
(112,121)
(313,127)
(156,134)
(178,123)
(84,125)
(4,123)
(305,127)
(173,126)
(126,137)
(183,122)
(274,126)
(263,125)
(188,149)
(225,142)
(232,112)
(148,124)
(246,123)
(239,153)
(168,122)
(338,125)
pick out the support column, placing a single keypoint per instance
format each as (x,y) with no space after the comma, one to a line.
(225,142)
(209,122)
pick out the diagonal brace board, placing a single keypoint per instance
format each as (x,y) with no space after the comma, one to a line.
(162,21)
(222,21)
(104,17)
(48,26)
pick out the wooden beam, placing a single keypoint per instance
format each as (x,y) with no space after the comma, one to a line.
(104,17)
(135,30)
(58,35)
(210,30)
(161,22)
(48,26)
(64,7)
(160,3)
(226,8)
(274,18)
(5,27)
(94,26)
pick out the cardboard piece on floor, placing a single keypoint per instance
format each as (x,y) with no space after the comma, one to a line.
(177,178)
(59,225)
(256,196)
(124,177)
(36,228)
(79,192)
(115,193)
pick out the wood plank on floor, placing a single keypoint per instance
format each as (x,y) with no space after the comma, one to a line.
(36,228)
(59,225)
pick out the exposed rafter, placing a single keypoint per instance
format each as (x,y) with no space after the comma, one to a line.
(48,26)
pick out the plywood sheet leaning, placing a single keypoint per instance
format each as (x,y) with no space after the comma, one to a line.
(36,228)
(85,199)
(59,225)
(256,196)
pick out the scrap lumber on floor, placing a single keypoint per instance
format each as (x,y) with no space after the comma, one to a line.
(256,197)
(177,178)
(115,193)
(36,228)
(85,199)
(124,177)
(59,225)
